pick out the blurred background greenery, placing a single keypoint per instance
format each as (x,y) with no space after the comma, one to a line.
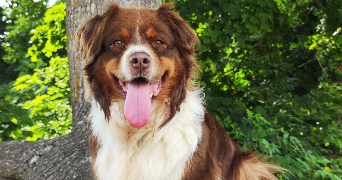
(271,69)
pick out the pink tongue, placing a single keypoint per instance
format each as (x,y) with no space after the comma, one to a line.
(138,106)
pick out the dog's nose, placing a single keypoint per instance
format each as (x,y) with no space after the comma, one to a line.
(140,60)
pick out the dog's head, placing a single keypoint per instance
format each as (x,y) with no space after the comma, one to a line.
(140,56)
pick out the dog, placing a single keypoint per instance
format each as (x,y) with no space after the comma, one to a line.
(148,119)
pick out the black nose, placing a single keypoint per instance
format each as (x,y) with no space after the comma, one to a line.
(140,60)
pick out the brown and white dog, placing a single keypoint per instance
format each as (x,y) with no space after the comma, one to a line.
(148,121)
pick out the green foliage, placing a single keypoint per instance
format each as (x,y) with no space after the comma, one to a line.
(293,153)
(47,94)
(272,72)
(49,39)
(44,95)
(279,61)
(22,16)
(12,118)
(7,70)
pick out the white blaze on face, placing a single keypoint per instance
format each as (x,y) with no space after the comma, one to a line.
(138,107)
(138,38)
(126,66)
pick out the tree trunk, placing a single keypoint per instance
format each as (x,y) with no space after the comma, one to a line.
(64,157)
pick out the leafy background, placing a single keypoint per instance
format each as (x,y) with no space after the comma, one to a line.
(272,72)
(35,93)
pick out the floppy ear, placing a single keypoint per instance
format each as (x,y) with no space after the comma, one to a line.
(90,35)
(185,38)
(182,31)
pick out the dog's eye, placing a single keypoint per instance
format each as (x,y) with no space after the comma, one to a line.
(159,43)
(117,43)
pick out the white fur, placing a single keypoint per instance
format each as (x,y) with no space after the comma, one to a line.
(149,154)
(125,64)
(138,38)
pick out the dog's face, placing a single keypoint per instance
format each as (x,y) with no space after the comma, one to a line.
(139,56)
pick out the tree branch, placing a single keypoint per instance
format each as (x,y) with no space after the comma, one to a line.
(306,62)
(319,62)
(64,157)
(322,67)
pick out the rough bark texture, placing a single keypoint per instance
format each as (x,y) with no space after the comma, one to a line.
(64,157)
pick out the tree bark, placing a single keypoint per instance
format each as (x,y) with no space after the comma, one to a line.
(64,157)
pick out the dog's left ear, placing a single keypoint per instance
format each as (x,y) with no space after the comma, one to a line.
(182,31)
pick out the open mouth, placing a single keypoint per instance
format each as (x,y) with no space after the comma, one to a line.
(138,103)
(154,87)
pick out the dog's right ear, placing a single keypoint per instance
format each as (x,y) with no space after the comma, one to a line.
(179,27)
(91,34)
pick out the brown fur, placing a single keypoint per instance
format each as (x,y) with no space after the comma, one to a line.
(94,146)
(217,156)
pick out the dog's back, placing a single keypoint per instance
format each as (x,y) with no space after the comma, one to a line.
(219,157)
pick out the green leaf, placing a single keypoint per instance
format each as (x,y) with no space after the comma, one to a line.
(245,130)
(6,117)
(25,120)
(260,110)
(294,45)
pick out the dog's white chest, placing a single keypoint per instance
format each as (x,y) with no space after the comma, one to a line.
(150,154)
